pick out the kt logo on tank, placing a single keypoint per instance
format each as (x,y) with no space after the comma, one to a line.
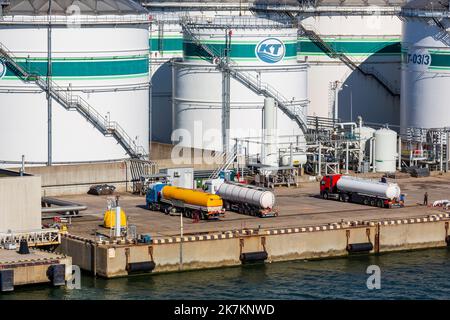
(271,50)
(2,69)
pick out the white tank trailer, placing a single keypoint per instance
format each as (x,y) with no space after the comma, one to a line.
(363,191)
(246,199)
(369,187)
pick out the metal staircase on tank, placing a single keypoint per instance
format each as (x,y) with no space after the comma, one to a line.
(73,102)
(332,53)
(294,110)
(229,160)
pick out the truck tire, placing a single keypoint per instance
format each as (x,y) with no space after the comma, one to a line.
(372,202)
(366,201)
(325,195)
(380,203)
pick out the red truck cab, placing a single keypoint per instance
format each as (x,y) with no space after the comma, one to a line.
(328,184)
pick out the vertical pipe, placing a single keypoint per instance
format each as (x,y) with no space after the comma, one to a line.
(226,94)
(441,156)
(346,157)
(118,222)
(269,128)
(49,97)
(291,160)
(181,241)
(174,97)
(320,160)
(150,96)
(336,101)
(374,155)
(446,151)
(399,166)
(22,168)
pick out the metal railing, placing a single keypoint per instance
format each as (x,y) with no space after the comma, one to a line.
(294,110)
(77,19)
(74,102)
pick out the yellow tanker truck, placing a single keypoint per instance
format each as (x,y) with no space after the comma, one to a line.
(190,203)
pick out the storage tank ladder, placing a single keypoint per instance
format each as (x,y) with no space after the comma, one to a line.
(294,111)
(74,102)
(229,159)
(332,53)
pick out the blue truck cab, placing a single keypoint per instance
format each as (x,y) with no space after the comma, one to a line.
(154,194)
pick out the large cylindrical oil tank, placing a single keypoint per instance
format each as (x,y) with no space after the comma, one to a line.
(425,70)
(99,54)
(193,197)
(369,187)
(385,150)
(166,43)
(371,41)
(266,50)
(240,193)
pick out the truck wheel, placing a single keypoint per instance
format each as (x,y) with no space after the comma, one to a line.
(380,203)
(366,202)
(325,195)
(372,203)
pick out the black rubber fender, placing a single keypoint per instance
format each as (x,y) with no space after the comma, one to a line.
(360,247)
(141,267)
(254,257)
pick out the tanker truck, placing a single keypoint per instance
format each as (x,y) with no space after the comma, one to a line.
(190,203)
(363,191)
(243,198)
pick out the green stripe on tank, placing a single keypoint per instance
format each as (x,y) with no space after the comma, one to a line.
(361,47)
(238,51)
(86,68)
(167,44)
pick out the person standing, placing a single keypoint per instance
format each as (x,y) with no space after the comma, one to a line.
(425,199)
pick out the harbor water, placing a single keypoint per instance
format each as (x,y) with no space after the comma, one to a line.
(423,274)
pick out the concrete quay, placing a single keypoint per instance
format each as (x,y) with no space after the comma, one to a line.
(308,228)
(36,267)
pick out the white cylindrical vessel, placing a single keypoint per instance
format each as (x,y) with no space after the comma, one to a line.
(270,154)
(425,72)
(247,194)
(100,55)
(298,159)
(368,187)
(263,49)
(372,42)
(385,150)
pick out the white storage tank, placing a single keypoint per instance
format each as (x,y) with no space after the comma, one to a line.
(364,134)
(264,49)
(426,66)
(99,54)
(371,41)
(385,150)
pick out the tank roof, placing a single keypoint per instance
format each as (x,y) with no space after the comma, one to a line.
(331,3)
(427,5)
(66,7)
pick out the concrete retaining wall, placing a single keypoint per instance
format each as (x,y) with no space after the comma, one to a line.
(20,203)
(220,250)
